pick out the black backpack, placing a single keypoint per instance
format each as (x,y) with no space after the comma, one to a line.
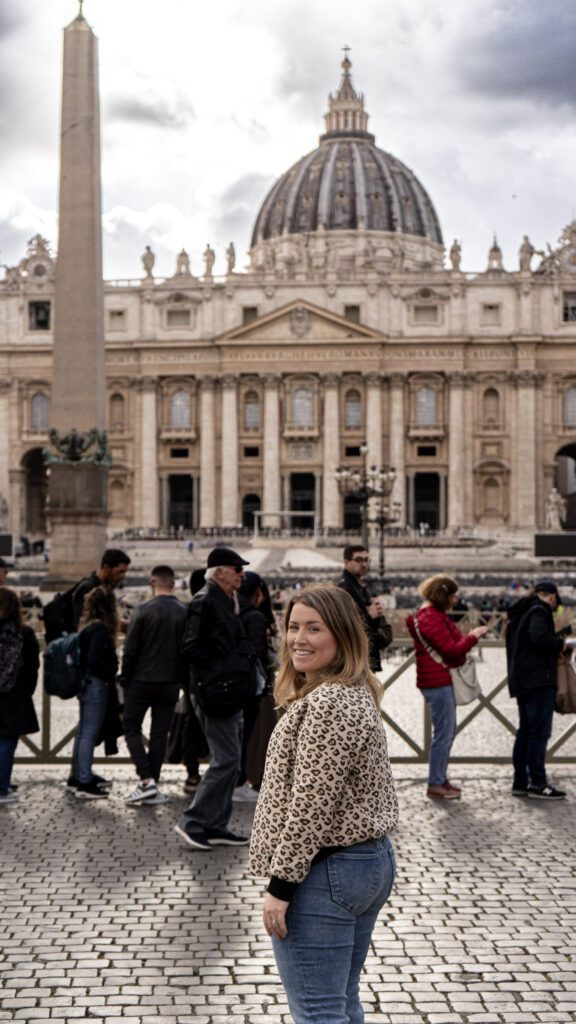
(62,672)
(11,659)
(59,615)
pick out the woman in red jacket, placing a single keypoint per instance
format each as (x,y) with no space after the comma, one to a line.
(431,628)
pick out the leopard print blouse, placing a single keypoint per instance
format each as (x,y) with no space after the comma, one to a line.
(327,782)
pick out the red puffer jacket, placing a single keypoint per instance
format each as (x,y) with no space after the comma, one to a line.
(444,636)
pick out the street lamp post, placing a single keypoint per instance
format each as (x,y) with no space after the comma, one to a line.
(367,483)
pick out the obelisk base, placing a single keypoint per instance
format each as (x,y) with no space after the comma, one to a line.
(77,493)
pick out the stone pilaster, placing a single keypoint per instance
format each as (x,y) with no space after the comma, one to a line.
(331,452)
(207,454)
(526,448)
(397,442)
(456,451)
(5,445)
(271,500)
(373,432)
(149,486)
(229,460)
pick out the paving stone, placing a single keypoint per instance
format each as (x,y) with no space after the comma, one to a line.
(107,917)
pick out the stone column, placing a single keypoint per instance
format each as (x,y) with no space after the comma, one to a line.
(149,487)
(5,447)
(207,454)
(78,480)
(373,432)
(229,460)
(397,442)
(331,453)
(456,451)
(526,449)
(271,499)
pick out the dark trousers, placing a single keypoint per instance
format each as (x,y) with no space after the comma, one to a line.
(536,710)
(138,698)
(212,805)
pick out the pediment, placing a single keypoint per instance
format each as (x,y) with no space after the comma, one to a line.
(299,321)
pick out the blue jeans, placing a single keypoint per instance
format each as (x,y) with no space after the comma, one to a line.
(330,922)
(8,746)
(212,805)
(93,699)
(442,707)
(536,710)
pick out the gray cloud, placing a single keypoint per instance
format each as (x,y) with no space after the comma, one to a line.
(176,114)
(11,17)
(524,49)
(240,204)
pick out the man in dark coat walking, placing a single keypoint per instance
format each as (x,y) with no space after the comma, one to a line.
(532,649)
(356,563)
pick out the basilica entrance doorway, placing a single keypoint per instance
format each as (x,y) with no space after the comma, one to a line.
(302,498)
(35,489)
(250,505)
(426,501)
(566,482)
(180,501)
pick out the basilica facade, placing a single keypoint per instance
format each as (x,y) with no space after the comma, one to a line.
(239,394)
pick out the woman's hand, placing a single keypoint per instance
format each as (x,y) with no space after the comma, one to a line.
(479,631)
(274,915)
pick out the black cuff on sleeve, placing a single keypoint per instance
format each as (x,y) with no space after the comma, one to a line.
(281,889)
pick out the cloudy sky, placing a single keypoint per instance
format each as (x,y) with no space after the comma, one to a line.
(205,105)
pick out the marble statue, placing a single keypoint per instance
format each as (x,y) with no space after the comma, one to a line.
(555,510)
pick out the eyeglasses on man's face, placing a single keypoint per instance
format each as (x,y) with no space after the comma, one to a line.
(360,558)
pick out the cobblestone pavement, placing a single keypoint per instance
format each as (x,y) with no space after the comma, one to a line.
(107,915)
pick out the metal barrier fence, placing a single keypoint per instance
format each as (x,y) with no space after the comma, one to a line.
(44,751)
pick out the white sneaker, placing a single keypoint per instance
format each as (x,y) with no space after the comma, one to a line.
(245,794)
(143,791)
(160,798)
(9,798)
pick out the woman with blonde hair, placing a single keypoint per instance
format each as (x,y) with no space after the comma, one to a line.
(325,809)
(434,633)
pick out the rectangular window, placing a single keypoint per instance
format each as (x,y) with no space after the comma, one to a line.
(426,451)
(425,314)
(490,314)
(352,451)
(39,316)
(569,307)
(117,319)
(352,313)
(179,453)
(249,313)
(251,452)
(178,318)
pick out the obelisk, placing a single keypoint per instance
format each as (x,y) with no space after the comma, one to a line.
(77,457)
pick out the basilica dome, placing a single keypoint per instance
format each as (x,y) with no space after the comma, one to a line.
(347,183)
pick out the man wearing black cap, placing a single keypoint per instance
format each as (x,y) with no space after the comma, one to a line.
(222,678)
(532,649)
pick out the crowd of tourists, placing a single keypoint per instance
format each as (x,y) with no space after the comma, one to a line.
(290,722)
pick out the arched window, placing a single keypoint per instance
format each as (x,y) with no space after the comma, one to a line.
(492,496)
(303,407)
(116,497)
(570,407)
(39,407)
(180,410)
(353,411)
(491,407)
(251,411)
(426,412)
(116,418)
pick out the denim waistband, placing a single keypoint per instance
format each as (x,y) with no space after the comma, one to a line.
(356,849)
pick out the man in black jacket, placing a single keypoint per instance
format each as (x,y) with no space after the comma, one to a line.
(532,649)
(113,568)
(356,562)
(222,675)
(152,673)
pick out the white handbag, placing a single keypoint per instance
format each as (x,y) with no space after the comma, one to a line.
(464,678)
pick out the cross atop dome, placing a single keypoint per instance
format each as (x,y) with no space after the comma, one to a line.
(346,114)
